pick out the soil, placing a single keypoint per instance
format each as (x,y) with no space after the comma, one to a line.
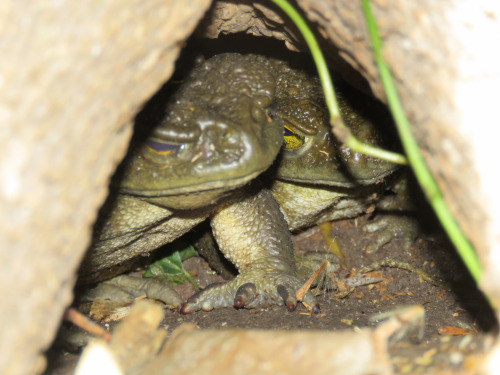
(456,305)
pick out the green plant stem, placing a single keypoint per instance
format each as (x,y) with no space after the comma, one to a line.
(341,131)
(424,177)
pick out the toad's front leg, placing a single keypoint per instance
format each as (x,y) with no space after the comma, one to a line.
(253,234)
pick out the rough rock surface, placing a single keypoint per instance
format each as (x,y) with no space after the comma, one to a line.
(72,76)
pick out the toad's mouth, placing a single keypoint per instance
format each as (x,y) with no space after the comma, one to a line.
(217,185)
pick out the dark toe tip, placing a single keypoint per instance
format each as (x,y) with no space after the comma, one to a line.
(290,306)
(239,303)
(183,309)
(316,309)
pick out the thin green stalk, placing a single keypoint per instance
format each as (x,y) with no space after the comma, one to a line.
(424,177)
(342,132)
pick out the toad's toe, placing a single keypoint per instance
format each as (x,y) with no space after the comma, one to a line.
(251,290)
(389,227)
(126,288)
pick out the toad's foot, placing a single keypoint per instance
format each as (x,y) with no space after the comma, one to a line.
(255,288)
(126,288)
(253,235)
(397,217)
(391,226)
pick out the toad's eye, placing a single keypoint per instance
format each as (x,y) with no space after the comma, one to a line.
(292,140)
(162,148)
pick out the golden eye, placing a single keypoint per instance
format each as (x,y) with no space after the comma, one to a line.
(292,140)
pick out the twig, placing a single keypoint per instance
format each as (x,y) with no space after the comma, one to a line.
(80,320)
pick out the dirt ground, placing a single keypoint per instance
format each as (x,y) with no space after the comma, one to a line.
(456,303)
(456,306)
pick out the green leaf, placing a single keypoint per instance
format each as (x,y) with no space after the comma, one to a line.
(169,270)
